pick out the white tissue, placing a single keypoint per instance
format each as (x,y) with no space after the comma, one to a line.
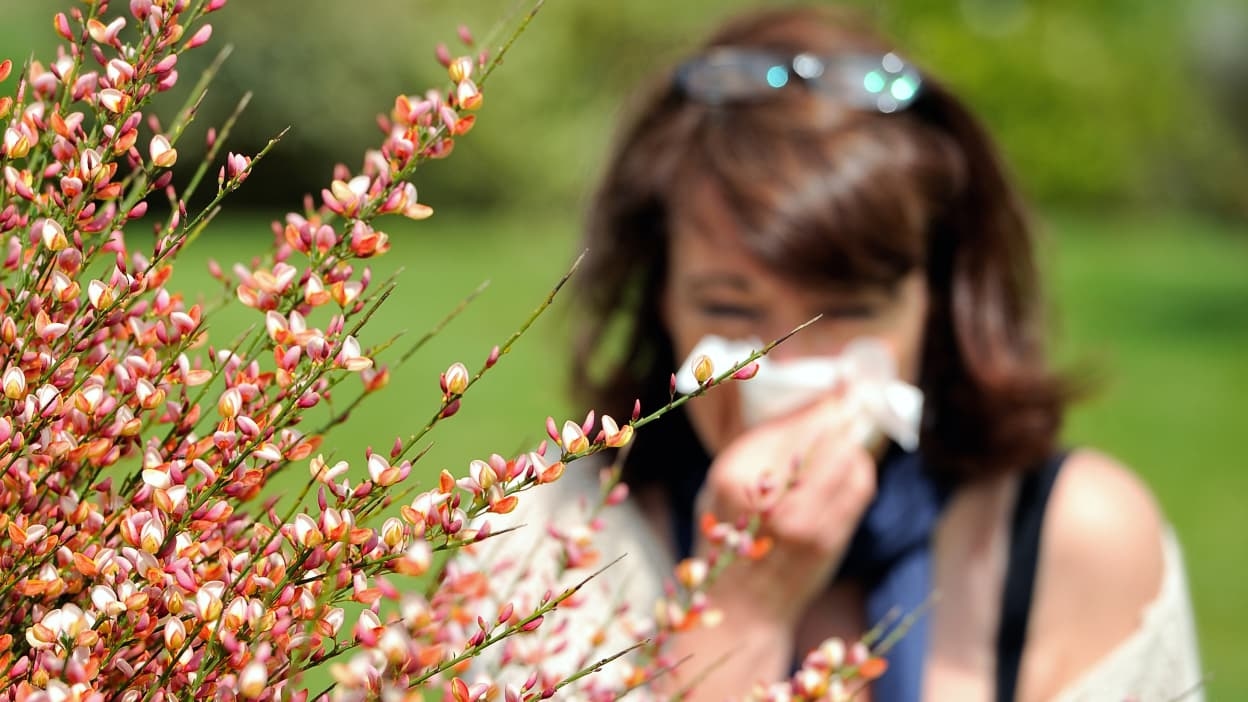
(878,400)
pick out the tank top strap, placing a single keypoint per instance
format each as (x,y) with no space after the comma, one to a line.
(1020,575)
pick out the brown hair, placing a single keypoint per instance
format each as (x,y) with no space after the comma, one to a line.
(826,193)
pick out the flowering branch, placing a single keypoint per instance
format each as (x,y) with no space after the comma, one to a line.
(138,561)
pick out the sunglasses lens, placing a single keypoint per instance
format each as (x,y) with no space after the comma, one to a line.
(872,82)
(882,83)
(732,76)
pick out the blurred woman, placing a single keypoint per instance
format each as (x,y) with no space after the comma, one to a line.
(799,165)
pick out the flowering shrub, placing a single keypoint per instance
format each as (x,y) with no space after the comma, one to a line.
(138,559)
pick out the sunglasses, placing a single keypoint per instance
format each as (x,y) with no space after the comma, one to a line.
(884,83)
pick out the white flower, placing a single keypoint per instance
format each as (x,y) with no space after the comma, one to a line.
(252,681)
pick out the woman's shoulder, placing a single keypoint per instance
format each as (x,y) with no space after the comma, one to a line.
(1102,565)
(1103,523)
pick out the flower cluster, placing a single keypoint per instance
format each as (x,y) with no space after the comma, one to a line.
(833,672)
(138,558)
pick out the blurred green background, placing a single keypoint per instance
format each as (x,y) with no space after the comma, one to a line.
(1126,122)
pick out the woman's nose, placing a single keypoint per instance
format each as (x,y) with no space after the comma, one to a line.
(812,341)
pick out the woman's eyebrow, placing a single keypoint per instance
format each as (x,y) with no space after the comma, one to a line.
(735,281)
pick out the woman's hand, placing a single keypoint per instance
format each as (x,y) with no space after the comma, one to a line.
(820,483)
(817,482)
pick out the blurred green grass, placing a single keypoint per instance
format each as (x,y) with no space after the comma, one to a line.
(1158,306)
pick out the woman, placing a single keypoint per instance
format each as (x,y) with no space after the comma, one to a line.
(795,166)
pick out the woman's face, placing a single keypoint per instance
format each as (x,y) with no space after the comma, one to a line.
(714,286)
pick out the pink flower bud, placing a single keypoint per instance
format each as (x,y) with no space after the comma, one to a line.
(61,24)
(166,82)
(165,65)
(443,55)
(747,371)
(248,427)
(140,9)
(617,495)
(200,37)
(237,165)
(858,654)
(448,117)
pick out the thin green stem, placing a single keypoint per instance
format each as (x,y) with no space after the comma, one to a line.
(503,350)
(222,134)
(497,60)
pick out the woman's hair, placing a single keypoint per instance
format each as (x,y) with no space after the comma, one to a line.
(825,194)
